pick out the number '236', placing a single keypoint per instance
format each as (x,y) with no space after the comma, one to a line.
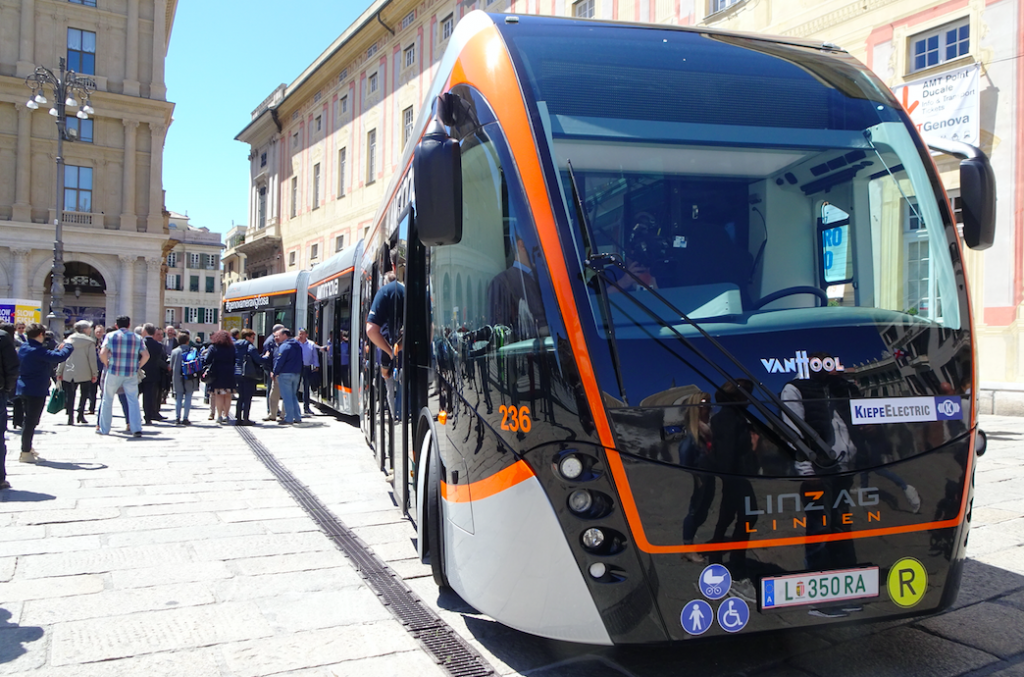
(516,419)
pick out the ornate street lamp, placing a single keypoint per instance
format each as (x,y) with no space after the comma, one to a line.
(67,88)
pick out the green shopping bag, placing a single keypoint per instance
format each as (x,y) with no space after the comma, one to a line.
(56,404)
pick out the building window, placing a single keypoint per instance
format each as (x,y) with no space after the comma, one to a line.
(263,159)
(940,45)
(447,26)
(201,313)
(261,208)
(343,104)
(371,156)
(343,75)
(409,18)
(295,196)
(82,129)
(193,260)
(316,97)
(583,9)
(407,121)
(410,55)
(291,258)
(318,121)
(339,243)
(81,51)
(173,282)
(231,266)
(210,284)
(295,140)
(172,260)
(314,252)
(372,87)
(718,5)
(169,316)
(211,261)
(87,3)
(316,185)
(77,188)
(371,51)
(342,162)
(193,283)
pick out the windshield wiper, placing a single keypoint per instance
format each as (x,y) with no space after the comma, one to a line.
(606,312)
(600,262)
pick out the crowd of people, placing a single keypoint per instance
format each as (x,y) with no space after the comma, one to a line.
(100,364)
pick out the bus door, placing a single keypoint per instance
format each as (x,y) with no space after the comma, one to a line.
(325,339)
(368,387)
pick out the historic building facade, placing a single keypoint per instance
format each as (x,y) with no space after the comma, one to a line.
(324,147)
(192,281)
(115,227)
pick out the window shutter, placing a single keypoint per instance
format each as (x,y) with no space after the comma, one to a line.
(186,314)
(214,311)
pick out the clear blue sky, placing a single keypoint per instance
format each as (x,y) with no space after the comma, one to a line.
(225,57)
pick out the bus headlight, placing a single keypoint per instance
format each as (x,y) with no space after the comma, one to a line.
(571,467)
(598,569)
(580,501)
(593,538)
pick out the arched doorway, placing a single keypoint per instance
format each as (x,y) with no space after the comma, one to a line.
(84,294)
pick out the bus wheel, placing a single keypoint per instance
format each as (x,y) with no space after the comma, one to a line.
(433,527)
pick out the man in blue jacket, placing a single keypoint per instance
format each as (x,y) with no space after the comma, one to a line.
(37,365)
(287,371)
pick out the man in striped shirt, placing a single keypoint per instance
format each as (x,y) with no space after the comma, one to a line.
(123,354)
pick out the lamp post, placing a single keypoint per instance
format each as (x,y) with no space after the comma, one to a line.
(67,88)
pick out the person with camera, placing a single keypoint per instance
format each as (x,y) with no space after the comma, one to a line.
(37,364)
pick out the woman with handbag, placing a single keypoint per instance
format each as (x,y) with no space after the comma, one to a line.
(219,374)
(34,382)
(249,366)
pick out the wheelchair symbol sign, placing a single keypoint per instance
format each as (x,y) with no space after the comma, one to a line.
(733,615)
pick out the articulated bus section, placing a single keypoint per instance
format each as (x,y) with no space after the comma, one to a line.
(661,367)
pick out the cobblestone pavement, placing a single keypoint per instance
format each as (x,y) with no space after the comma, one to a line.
(180,554)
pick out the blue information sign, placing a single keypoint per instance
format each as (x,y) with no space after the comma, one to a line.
(715,581)
(697,617)
(733,614)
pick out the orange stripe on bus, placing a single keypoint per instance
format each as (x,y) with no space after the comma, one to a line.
(343,389)
(489,486)
(244,298)
(332,277)
(485,64)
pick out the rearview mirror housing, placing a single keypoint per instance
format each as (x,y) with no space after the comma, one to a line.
(437,173)
(977,191)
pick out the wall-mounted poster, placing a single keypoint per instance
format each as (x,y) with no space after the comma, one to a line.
(20,310)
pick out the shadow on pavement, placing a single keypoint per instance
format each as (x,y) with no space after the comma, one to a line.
(13,637)
(18,496)
(985,625)
(59,465)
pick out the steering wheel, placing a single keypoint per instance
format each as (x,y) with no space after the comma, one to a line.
(790,291)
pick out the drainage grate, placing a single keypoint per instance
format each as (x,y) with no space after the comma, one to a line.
(449,650)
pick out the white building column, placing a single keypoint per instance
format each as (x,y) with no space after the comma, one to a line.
(27,44)
(155,222)
(22,208)
(154,312)
(157,88)
(126,290)
(131,67)
(19,282)
(129,220)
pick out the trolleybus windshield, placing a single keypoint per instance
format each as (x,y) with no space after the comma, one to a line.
(772,193)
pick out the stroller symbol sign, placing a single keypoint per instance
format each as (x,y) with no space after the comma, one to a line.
(733,615)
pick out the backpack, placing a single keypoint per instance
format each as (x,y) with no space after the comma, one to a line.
(190,366)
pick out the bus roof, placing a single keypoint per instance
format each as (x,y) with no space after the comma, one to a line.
(336,265)
(265,286)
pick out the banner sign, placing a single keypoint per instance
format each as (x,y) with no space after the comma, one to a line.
(947,105)
(20,310)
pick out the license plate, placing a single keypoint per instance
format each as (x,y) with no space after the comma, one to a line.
(818,588)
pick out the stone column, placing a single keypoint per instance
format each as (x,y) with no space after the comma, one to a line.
(129,221)
(131,52)
(127,285)
(155,222)
(154,303)
(22,209)
(27,44)
(157,88)
(19,285)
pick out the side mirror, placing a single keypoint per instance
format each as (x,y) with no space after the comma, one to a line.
(437,173)
(977,191)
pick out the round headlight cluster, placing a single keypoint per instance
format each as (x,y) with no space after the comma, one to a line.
(580,501)
(598,569)
(571,467)
(593,538)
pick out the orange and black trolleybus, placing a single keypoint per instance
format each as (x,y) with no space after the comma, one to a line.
(332,301)
(686,341)
(265,301)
